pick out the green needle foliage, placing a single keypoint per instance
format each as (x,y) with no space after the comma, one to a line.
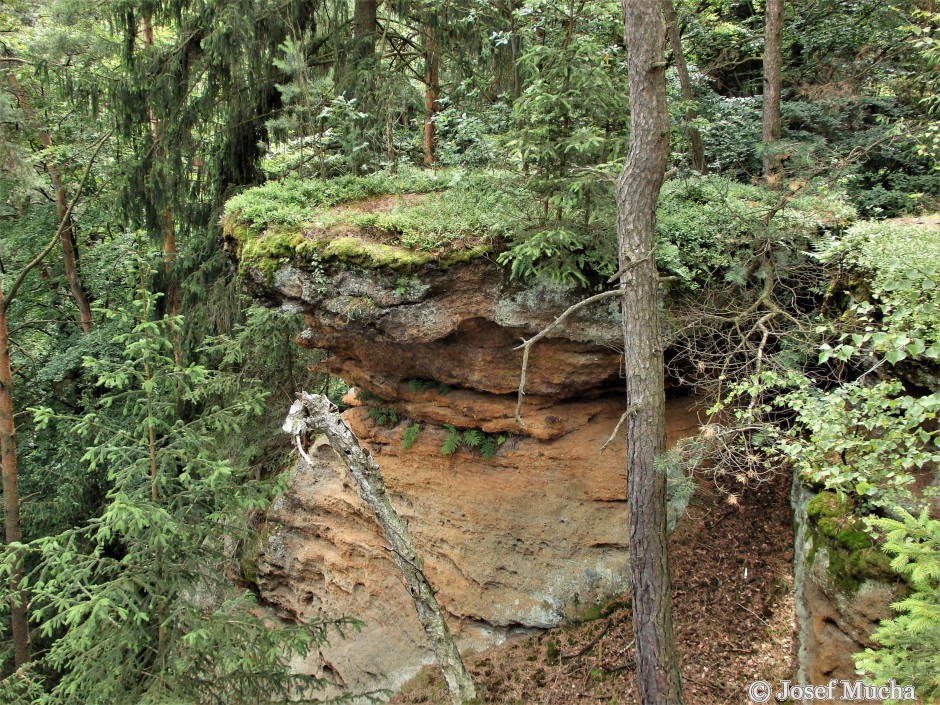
(138,604)
(910,652)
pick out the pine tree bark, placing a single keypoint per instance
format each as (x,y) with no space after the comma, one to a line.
(314,413)
(8,465)
(696,146)
(68,231)
(11,493)
(658,677)
(773,80)
(12,528)
(432,93)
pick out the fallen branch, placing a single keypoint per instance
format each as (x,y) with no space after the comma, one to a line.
(613,434)
(629,664)
(591,644)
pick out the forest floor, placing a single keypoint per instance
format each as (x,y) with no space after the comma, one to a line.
(732,609)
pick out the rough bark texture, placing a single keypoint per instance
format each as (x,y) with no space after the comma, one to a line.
(638,187)
(365,28)
(696,147)
(773,66)
(315,413)
(432,93)
(67,236)
(11,494)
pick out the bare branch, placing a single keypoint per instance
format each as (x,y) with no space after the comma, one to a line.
(613,434)
(527,344)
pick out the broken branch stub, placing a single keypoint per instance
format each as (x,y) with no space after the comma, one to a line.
(314,414)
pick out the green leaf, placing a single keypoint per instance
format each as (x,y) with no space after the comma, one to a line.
(488,447)
(472,437)
(410,436)
(451,441)
(895,356)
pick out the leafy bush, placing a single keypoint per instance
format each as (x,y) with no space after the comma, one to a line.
(293,201)
(731,132)
(471,209)
(900,316)
(706,226)
(136,603)
(869,441)
(470,138)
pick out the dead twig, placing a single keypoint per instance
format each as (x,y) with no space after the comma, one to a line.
(527,344)
(591,644)
(613,434)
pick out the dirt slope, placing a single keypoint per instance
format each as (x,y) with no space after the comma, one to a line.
(733,609)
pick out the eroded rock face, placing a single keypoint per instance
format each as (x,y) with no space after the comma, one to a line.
(837,609)
(457,326)
(535,535)
(521,541)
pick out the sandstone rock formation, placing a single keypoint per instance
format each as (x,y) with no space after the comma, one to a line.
(842,592)
(521,541)
(533,536)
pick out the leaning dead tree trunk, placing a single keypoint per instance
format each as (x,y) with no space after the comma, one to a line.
(314,414)
(658,678)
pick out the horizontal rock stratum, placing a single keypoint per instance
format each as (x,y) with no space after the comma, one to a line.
(518,541)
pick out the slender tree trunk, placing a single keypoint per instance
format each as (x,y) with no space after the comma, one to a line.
(8,466)
(11,493)
(174,297)
(696,147)
(68,232)
(658,677)
(432,92)
(773,78)
(315,414)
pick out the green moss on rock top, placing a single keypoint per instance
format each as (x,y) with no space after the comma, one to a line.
(853,558)
(391,221)
(415,217)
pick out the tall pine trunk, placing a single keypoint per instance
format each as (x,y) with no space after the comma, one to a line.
(773,78)
(696,146)
(658,677)
(8,465)
(365,29)
(11,493)
(173,294)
